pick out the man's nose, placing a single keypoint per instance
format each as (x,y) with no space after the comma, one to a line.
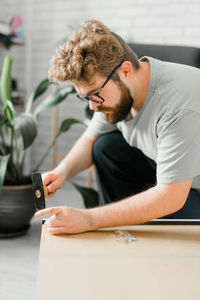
(93,105)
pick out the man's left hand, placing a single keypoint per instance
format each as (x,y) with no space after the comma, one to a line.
(66,219)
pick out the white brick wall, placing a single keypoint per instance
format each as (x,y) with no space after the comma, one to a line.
(47,22)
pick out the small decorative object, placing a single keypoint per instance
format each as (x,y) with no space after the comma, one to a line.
(17,27)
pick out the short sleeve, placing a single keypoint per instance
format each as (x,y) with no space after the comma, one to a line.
(98,125)
(178,142)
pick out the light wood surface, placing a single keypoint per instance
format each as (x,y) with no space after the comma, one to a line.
(163,263)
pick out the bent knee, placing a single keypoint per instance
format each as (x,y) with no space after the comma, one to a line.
(106,144)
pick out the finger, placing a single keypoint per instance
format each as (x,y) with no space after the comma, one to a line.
(49,195)
(57,230)
(51,181)
(47,178)
(52,187)
(46,191)
(48,211)
(54,222)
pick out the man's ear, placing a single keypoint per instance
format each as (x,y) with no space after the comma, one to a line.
(126,70)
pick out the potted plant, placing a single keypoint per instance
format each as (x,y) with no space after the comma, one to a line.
(17,134)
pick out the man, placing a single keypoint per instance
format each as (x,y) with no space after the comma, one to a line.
(144,137)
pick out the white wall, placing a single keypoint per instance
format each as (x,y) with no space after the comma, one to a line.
(48,22)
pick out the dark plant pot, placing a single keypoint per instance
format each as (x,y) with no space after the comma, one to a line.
(16,209)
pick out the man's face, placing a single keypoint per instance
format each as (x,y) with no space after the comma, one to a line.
(117,100)
(120,110)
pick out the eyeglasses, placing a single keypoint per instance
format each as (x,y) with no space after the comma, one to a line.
(89,97)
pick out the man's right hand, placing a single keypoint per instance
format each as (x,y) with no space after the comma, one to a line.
(78,159)
(53,180)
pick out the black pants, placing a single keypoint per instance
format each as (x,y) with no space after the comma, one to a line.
(124,170)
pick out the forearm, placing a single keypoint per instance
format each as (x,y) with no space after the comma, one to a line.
(153,203)
(79,158)
(158,201)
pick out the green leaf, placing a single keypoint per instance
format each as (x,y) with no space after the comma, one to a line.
(3,167)
(90,196)
(27,125)
(66,124)
(40,89)
(3,150)
(5,81)
(3,120)
(53,99)
(9,110)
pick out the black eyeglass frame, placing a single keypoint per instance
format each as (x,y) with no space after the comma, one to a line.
(88,97)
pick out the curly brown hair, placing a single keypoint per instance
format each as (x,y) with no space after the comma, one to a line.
(93,48)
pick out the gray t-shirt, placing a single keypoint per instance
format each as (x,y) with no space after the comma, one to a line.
(167,128)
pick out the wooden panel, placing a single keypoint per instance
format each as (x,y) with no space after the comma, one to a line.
(163,263)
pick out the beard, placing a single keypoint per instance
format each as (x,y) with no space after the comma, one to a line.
(122,109)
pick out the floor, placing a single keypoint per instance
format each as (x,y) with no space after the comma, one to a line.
(19,256)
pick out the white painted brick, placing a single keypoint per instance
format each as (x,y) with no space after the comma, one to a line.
(190,2)
(168,10)
(154,2)
(193,32)
(192,20)
(194,9)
